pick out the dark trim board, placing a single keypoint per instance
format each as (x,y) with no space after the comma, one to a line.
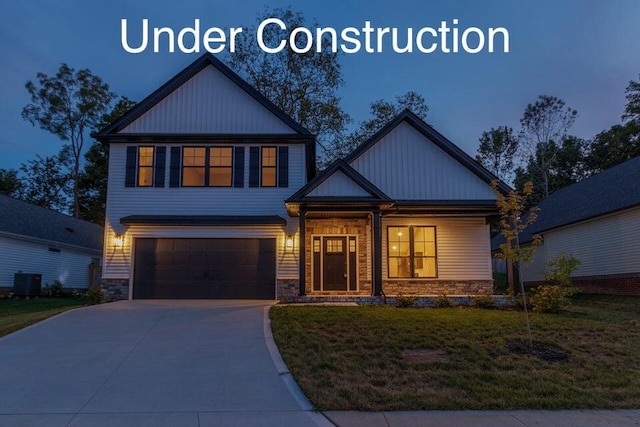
(197,220)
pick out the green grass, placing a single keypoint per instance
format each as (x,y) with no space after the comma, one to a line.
(18,313)
(350,358)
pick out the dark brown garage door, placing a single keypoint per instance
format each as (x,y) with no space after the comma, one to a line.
(205,268)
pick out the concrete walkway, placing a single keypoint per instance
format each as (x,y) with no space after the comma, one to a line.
(148,363)
(574,418)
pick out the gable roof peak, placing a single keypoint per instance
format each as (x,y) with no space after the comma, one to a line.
(431,134)
(205,60)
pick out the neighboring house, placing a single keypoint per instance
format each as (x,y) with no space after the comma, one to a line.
(596,220)
(198,177)
(36,240)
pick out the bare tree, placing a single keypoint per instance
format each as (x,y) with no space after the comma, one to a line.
(544,126)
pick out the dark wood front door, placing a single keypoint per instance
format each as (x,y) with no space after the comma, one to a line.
(334,269)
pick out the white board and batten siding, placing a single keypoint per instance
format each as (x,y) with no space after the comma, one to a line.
(462,243)
(605,246)
(405,165)
(68,266)
(338,185)
(208,103)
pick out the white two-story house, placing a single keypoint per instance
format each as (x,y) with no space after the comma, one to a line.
(213,193)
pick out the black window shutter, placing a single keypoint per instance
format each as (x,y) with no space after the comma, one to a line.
(283,166)
(174,168)
(254,166)
(130,176)
(161,155)
(238,167)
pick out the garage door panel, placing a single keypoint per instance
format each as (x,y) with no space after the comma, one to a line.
(205,268)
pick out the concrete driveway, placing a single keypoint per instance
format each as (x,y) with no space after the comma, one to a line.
(155,363)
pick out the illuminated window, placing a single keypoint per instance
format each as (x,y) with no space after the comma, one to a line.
(268,176)
(334,246)
(411,252)
(145,166)
(193,166)
(220,166)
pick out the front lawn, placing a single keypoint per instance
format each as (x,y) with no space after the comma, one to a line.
(18,313)
(384,358)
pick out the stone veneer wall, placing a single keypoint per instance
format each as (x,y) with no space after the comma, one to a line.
(339,226)
(287,289)
(115,289)
(437,287)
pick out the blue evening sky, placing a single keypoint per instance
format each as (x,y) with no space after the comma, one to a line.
(584,52)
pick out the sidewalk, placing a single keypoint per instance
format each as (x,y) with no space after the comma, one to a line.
(565,418)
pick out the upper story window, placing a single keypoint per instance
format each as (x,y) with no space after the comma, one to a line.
(194,164)
(207,166)
(411,252)
(145,166)
(220,166)
(268,167)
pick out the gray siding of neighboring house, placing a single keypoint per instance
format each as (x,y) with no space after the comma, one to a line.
(605,246)
(192,109)
(534,271)
(405,165)
(69,266)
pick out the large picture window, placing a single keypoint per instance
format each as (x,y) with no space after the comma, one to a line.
(269,163)
(411,252)
(145,166)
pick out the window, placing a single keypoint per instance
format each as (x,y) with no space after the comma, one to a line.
(220,166)
(268,175)
(411,252)
(145,166)
(193,166)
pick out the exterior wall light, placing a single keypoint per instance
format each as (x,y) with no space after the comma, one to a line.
(118,241)
(289,242)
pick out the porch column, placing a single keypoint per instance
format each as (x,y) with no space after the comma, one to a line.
(302,247)
(377,253)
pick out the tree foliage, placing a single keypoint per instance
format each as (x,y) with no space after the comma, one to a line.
(497,150)
(614,146)
(544,124)
(515,217)
(381,112)
(632,110)
(10,184)
(68,105)
(305,86)
(46,181)
(93,179)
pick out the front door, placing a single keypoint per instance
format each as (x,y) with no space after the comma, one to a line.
(334,268)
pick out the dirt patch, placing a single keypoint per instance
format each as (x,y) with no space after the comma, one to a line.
(425,355)
(541,350)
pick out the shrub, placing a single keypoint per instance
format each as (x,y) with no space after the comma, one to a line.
(443,301)
(6,294)
(52,290)
(550,298)
(405,301)
(559,270)
(483,301)
(95,295)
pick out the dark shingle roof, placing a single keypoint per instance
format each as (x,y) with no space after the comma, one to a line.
(610,191)
(18,217)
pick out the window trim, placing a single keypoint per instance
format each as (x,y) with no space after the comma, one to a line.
(207,179)
(274,167)
(412,257)
(152,166)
